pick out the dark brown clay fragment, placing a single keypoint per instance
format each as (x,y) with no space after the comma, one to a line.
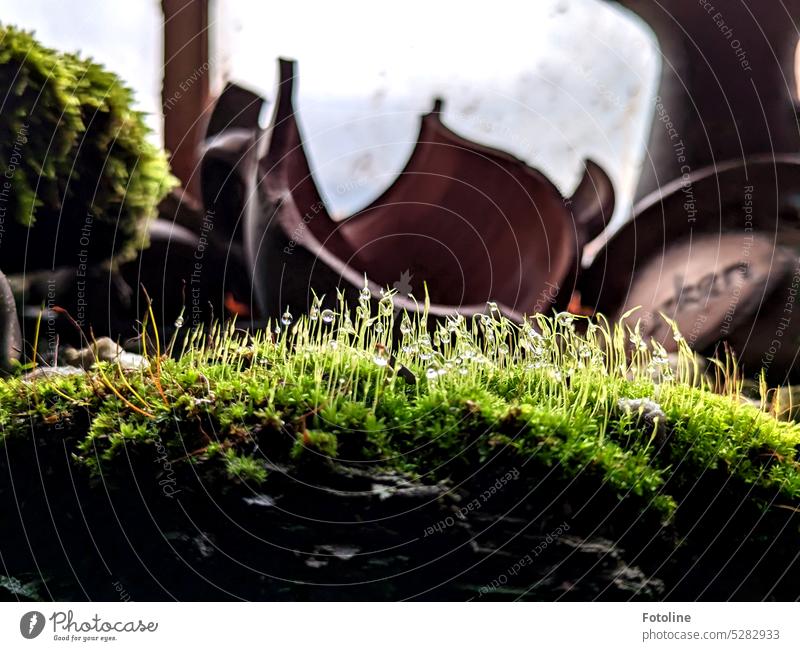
(719,184)
(468,223)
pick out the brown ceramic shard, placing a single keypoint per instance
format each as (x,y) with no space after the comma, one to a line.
(721,172)
(708,280)
(10,336)
(724,198)
(715,251)
(727,86)
(468,223)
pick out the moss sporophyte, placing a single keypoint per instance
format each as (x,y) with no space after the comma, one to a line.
(435,399)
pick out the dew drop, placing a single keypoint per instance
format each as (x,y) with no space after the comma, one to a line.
(328,316)
(386,305)
(287,318)
(347,325)
(179,322)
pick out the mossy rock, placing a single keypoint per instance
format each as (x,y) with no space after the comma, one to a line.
(300,464)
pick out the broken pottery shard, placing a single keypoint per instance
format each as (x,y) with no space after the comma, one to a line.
(592,203)
(726,88)
(718,190)
(712,250)
(236,108)
(227,166)
(10,335)
(709,285)
(465,222)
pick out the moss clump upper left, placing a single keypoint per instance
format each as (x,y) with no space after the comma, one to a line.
(83,178)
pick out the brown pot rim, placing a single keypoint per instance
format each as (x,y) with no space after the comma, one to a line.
(714,189)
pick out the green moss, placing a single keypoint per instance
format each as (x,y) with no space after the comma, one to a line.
(245,468)
(544,394)
(316,443)
(39,122)
(120,176)
(76,154)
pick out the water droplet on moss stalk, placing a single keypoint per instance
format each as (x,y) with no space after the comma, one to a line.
(179,322)
(364,295)
(328,316)
(386,305)
(287,318)
(405,325)
(313,313)
(432,373)
(565,319)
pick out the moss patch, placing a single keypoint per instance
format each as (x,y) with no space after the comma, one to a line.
(434,400)
(77,155)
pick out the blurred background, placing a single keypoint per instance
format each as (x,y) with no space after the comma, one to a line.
(551,81)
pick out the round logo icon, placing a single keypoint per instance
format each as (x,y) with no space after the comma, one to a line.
(31,624)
